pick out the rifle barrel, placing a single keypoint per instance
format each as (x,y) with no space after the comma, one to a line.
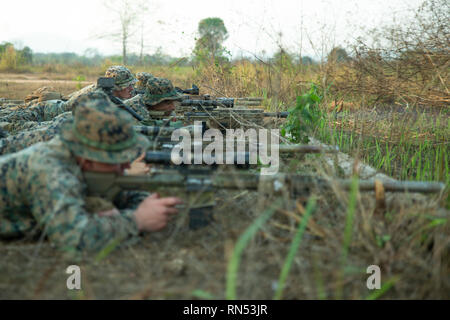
(109,184)
(121,105)
(221,102)
(276,114)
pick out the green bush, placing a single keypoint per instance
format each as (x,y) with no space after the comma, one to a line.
(304,118)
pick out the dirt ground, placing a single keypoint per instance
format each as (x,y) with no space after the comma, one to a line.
(18,86)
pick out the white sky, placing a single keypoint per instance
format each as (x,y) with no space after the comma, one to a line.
(253,25)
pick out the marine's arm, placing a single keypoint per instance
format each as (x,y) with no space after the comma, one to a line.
(25,139)
(58,207)
(41,133)
(42,111)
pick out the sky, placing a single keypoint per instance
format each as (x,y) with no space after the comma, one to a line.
(255,27)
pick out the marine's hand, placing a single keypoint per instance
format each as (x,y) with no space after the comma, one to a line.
(154,212)
(138,167)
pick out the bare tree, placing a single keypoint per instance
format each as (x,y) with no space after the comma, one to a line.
(128,16)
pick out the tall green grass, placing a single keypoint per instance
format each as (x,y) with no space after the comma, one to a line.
(294,248)
(404,157)
(241,244)
(351,208)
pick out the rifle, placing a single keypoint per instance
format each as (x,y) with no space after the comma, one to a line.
(194,94)
(107,85)
(240,112)
(203,180)
(241,159)
(160,138)
(165,143)
(195,91)
(230,118)
(219,102)
(162,131)
(109,184)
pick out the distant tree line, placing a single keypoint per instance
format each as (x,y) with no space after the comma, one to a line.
(10,57)
(70,58)
(205,51)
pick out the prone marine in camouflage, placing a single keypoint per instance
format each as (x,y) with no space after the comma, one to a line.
(42,189)
(142,78)
(39,133)
(43,131)
(15,119)
(157,101)
(43,94)
(123,79)
(39,95)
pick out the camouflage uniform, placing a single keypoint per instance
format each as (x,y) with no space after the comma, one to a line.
(42,111)
(43,131)
(15,119)
(41,116)
(42,187)
(138,106)
(142,78)
(38,132)
(43,94)
(156,90)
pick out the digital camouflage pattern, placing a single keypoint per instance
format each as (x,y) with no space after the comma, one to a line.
(122,76)
(34,132)
(152,118)
(20,118)
(42,111)
(40,132)
(102,132)
(138,106)
(142,78)
(42,191)
(74,95)
(158,90)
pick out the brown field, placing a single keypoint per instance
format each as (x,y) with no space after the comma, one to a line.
(18,86)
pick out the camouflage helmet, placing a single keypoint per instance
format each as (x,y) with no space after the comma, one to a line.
(102,132)
(142,78)
(158,90)
(122,77)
